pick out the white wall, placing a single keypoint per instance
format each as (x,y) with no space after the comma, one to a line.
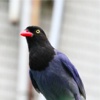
(8,54)
(80,40)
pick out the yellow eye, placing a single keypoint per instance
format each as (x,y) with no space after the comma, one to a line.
(38,31)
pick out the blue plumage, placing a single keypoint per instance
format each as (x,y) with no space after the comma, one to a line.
(59,81)
(51,72)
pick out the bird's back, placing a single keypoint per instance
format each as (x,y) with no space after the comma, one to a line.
(54,82)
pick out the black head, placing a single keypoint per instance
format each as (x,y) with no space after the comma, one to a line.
(35,36)
(41,51)
(35,30)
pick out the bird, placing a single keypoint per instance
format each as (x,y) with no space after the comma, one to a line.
(51,72)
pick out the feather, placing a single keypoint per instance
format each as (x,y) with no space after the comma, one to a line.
(70,67)
(33,82)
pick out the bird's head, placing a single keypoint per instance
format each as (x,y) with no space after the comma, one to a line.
(33,31)
(34,35)
(41,51)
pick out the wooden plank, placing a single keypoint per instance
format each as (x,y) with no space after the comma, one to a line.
(36,5)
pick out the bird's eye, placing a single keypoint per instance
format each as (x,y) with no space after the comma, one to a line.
(38,31)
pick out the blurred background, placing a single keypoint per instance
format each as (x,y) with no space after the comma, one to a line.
(72,26)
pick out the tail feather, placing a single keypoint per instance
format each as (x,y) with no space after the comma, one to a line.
(78,97)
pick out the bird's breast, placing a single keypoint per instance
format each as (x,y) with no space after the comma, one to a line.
(51,83)
(40,57)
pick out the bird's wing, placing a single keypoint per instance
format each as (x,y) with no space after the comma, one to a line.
(33,82)
(70,67)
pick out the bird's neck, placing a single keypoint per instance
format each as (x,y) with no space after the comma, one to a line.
(40,56)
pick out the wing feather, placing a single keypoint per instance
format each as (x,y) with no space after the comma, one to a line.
(72,70)
(33,81)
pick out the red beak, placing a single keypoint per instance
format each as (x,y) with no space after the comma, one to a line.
(26,33)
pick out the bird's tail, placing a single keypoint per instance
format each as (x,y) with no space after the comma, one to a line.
(79,97)
(82,98)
